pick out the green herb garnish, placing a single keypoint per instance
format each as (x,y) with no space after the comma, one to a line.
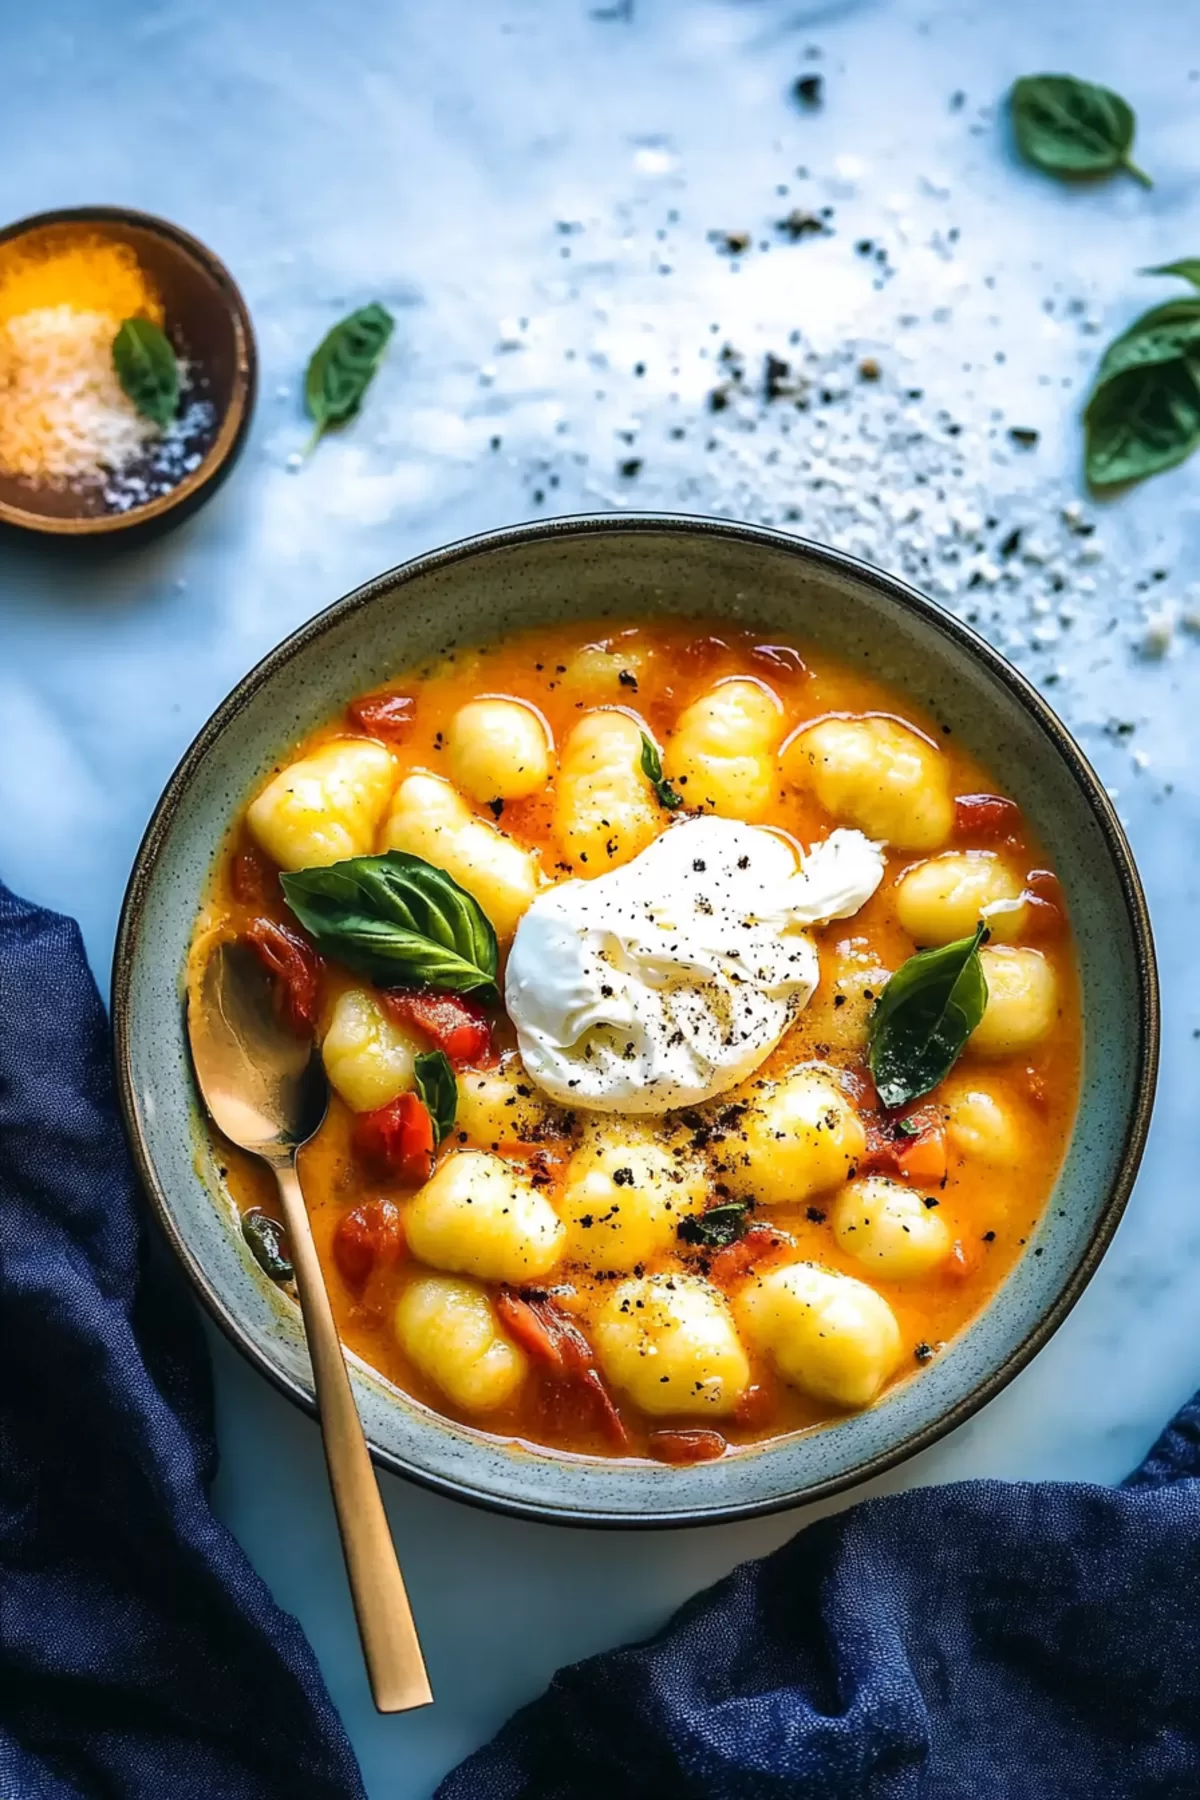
(924,1017)
(438,1088)
(713,1229)
(1143,414)
(147,369)
(652,770)
(343,365)
(397,919)
(1071,128)
(265,1237)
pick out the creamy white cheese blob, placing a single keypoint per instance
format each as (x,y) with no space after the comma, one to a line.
(669,980)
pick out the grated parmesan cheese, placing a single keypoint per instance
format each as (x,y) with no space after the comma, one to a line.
(63,414)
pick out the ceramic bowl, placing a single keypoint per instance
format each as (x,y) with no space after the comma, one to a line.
(633,566)
(207,320)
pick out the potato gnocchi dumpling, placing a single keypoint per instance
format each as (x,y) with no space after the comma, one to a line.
(721,754)
(668,1341)
(368,1057)
(839,1014)
(1022,1002)
(611,671)
(942,900)
(896,1232)
(479,1215)
(799,1137)
(979,1125)
(829,1334)
(623,1201)
(877,774)
(498,749)
(326,807)
(497,1106)
(605,809)
(448,1328)
(429,818)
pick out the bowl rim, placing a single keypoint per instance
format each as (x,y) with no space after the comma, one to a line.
(820,557)
(225,448)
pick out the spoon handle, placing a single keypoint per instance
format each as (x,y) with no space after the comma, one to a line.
(392,1650)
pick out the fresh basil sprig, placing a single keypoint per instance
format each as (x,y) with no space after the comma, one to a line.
(343,365)
(713,1229)
(399,920)
(924,1017)
(438,1088)
(652,770)
(147,369)
(1071,128)
(1143,414)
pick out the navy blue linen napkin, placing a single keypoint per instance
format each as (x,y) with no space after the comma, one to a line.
(985,1641)
(140,1655)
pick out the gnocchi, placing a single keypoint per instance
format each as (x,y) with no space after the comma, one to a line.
(1022,1002)
(623,1201)
(799,1138)
(979,1125)
(368,1057)
(944,899)
(829,1334)
(479,1215)
(498,750)
(429,818)
(877,774)
(605,809)
(838,1016)
(449,1330)
(721,756)
(497,1106)
(897,1233)
(326,807)
(668,1341)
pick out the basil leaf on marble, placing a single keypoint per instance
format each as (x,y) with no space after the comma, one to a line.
(1071,128)
(147,369)
(1187,268)
(399,920)
(652,770)
(923,1018)
(1143,414)
(438,1088)
(343,365)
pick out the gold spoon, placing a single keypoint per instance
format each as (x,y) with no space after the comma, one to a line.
(265,1088)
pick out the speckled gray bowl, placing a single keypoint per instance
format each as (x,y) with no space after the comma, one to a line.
(638,566)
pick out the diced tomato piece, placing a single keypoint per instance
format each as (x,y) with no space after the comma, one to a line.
(296,968)
(689,1446)
(383,715)
(923,1158)
(396,1141)
(366,1238)
(986,816)
(459,1027)
(918,1156)
(739,1258)
(253,879)
(755,1406)
(700,655)
(555,1342)
(1045,909)
(779,660)
(961,1262)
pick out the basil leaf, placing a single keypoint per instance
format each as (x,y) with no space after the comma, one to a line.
(652,770)
(713,1229)
(147,369)
(397,919)
(1162,335)
(438,1088)
(1142,421)
(265,1237)
(1069,127)
(1188,268)
(924,1017)
(340,370)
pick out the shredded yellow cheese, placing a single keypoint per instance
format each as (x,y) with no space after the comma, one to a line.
(63,415)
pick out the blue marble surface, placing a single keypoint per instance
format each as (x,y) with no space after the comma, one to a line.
(532,187)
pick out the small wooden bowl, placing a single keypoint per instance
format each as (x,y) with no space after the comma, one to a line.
(205,314)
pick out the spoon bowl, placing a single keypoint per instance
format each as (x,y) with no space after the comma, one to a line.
(263,1085)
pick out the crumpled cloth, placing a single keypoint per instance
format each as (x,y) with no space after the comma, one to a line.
(984,1641)
(141,1657)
